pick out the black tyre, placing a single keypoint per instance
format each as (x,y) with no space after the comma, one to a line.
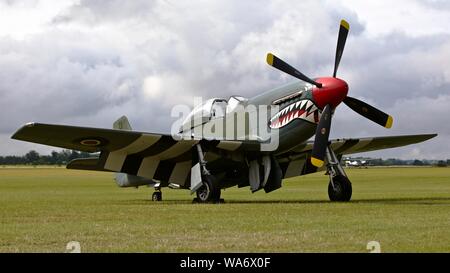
(209,191)
(157,196)
(342,190)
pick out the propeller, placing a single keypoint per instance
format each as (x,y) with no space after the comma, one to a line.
(321,138)
(286,68)
(324,125)
(369,112)
(342,37)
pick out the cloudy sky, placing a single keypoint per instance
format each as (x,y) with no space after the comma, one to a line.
(89,62)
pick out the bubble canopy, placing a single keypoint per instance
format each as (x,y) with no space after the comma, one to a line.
(210,109)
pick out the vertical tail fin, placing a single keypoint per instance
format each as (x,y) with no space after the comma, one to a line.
(122,124)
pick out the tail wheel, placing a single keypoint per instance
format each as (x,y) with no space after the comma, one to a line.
(209,191)
(342,189)
(157,196)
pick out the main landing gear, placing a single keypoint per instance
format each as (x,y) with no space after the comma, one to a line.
(340,188)
(210,191)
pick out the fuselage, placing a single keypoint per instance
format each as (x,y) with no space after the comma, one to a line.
(290,112)
(300,107)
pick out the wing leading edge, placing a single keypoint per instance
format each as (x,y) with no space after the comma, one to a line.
(77,138)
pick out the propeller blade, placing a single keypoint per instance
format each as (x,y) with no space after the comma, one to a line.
(369,112)
(342,37)
(279,64)
(321,139)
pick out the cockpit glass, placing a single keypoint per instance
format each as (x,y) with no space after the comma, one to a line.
(233,102)
(218,109)
(210,109)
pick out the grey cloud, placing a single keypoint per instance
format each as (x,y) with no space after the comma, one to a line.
(92,12)
(46,81)
(436,4)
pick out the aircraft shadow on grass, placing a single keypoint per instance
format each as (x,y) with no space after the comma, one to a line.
(387,201)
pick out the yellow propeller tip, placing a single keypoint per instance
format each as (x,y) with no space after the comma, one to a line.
(270,58)
(389,122)
(345,24)
(316,162)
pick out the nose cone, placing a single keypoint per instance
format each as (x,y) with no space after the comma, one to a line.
(333,92)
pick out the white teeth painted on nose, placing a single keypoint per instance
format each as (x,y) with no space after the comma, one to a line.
(308,104)
(292,111)
(303,104)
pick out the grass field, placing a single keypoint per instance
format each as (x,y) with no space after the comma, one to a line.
(405,209)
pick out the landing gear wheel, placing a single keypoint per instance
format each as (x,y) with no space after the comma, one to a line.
(342,190)
(157,196)
(209,191)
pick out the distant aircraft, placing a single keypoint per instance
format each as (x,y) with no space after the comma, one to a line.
(206,164)
(356,163)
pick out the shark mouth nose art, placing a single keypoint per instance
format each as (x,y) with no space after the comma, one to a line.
(304,109)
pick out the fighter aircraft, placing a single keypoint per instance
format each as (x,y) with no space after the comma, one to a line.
(206,165)
(356,163)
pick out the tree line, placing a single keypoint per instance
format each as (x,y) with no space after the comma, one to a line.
(65,156)
(34,158)
(399,162)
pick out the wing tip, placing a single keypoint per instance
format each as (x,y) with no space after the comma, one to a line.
(430,136)
(16,135)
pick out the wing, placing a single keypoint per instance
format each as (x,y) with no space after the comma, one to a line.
(79,138)
(296,162)
(154,156)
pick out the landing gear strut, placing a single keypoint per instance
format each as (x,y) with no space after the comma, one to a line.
(340,188)
(157,195)
(209,192)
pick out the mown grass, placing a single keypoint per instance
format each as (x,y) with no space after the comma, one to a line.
(405,209)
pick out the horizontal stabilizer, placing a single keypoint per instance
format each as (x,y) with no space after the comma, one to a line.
(91,164)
